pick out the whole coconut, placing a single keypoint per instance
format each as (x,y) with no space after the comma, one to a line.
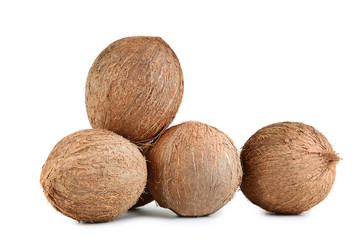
(289,167)
(134,88)
(93,175)
(194,169)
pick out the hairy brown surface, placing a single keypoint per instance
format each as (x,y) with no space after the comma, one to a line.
(194,169)
(93,175)
(134,88)
(144,199)
(289,167)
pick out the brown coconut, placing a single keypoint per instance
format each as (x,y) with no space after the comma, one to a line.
(194,169)
(289,167)
(134,88)
(93,175)
(145,197)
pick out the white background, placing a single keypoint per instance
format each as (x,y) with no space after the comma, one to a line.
(246,64)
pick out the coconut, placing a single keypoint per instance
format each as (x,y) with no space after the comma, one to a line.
(134,88)
(145,197)
(289,167)
(93,175)
(194,169)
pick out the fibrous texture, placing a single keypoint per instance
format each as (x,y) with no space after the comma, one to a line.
(93,175)
(194,169)
(289,167)
(144,199)
(134,88)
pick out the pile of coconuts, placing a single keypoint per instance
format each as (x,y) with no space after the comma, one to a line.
(130,157)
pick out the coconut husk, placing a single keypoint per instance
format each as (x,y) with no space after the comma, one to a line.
(134,88)
(194,169)
(145,197)
(289,167)
(93,175)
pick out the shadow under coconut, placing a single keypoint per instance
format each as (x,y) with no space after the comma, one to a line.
(148,212)
(168,214)
(159,212)
(272,214)
(154,213)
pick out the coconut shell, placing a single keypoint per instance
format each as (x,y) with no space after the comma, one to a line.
(145,197)
(134,88)
(93,175)
(289,167)
(194,169)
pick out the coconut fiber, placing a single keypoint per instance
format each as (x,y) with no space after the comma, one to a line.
(289,167)
(144,199)
(194,169)
(134,88)
(93,175)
